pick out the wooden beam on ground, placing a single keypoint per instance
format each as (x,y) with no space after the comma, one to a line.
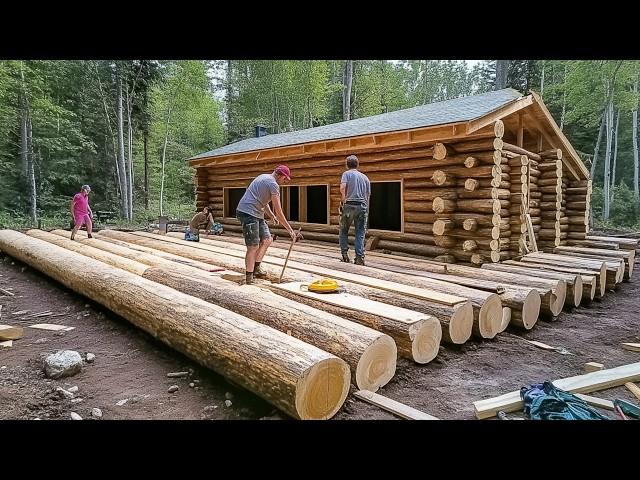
(587,383)
(634,389)
(7,332)
(593,367)
(595,401)
(397,408)
(632,347)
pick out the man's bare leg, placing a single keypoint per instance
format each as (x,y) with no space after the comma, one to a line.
(262,250)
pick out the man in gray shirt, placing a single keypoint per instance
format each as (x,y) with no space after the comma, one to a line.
(355,190)
(250,211)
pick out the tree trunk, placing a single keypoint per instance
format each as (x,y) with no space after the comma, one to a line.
(635,143)
(596,149)
(31,178)
(122,169)
(607,162)
(302,380)
(615,159)
(502,69)
(542,80)
(129,156)
(164,156)
(145,140)
(564,98)
(26,148)
(346,92)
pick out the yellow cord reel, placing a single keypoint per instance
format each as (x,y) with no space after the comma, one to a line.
(325,285)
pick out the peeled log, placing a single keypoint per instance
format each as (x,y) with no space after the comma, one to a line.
(300,379)
(575,281)
(370,354)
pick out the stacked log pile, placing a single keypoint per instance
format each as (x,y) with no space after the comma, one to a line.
(578,206)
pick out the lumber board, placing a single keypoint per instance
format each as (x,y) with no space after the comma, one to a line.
(397,408)
(586,383)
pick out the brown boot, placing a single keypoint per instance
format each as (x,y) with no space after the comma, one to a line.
(359,261)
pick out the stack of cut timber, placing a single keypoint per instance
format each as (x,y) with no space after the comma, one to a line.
(550,184)
(302,380)
(519,178)
(578,199)
(454,313)
(472,219)
(626,256)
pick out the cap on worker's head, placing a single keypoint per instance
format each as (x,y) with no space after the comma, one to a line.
(283,170)
(86,187)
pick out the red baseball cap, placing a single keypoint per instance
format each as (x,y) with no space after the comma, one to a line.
(283,170)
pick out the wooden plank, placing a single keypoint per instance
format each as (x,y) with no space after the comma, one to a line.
(587,383)
(634,389)
(7,332)
(595,401)
(51,326)
(397,408)
(354,302)
(633,347)
(532,235)
(593,367)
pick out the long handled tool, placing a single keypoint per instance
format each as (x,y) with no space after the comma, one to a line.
(288,253)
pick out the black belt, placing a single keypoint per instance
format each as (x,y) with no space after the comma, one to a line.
(354,202)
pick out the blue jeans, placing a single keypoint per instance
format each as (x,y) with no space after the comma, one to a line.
(356,214)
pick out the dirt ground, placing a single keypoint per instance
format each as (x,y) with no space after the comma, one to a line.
(130,365)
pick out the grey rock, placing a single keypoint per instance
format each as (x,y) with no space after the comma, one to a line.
(90,357)
(73,389)
(191,385)
(75,416)
(173,388)
(96,413)
(227,403)
(62,364)
(228,396)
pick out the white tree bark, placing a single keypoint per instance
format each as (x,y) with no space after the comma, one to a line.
(596,150)
(121,161)
(607,161)
(635,143)
(164,156)
(564,97)
(502,68)
(346,93)
(26,148)
(615,158)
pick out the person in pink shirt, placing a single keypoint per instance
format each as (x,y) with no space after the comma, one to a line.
(81,211)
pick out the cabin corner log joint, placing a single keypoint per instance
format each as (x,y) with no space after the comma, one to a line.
(454,178)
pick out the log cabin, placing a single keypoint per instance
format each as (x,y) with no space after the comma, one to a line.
(462,180)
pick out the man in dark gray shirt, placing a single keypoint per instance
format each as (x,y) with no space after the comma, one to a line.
(355,190)
(250,211)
